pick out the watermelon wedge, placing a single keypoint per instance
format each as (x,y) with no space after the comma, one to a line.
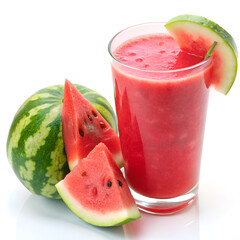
(96,191)
(84,128)
(196,34)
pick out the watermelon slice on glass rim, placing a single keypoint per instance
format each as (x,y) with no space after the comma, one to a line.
(196,35)
(84,127)
(96,191)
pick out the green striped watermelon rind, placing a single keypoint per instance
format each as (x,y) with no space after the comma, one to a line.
(198,26)
(34,140)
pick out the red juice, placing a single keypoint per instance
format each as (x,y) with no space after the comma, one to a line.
(161,114)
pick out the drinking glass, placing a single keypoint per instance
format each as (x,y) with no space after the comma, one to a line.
(161,117)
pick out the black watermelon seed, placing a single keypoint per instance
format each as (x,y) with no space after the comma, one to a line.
(119,183)
(81,132)
(102,125)
(94,114)
(109,183)
(89,117)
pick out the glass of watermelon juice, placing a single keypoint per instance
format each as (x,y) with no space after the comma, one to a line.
(161,98)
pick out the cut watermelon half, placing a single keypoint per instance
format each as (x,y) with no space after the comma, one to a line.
(96,191)
(196,34)
(84,128)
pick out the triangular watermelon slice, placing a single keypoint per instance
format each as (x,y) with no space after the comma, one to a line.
(84,128)
(96,191)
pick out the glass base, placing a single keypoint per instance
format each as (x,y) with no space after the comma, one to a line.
(165,206)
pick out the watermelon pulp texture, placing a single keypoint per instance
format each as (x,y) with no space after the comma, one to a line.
(165,119)
(35,146)
(96,191)
(84,128)
(196,34)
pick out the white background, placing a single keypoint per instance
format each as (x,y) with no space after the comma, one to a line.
(44,42)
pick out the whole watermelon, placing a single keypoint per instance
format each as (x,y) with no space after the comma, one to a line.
(35,146)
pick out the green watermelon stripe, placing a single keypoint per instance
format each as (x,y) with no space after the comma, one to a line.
(32,98)
(29,106)
(20,123)
(38,138)
(38,177)
(53,170)
(58,167)
(32,126)
(33,102)
(58,93)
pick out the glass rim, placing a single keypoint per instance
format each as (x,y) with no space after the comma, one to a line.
(202,63)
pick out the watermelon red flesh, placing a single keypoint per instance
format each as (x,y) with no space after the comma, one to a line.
(200,48)
(97,192)
(84,128)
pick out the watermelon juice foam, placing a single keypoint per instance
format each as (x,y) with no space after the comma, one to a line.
(161,102)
